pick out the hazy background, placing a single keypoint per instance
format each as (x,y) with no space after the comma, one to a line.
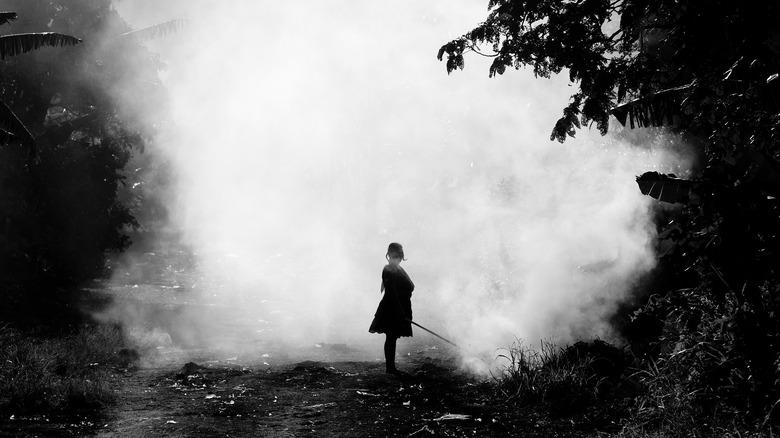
(308,135)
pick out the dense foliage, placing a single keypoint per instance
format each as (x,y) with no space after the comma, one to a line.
(708,70)
(60,212)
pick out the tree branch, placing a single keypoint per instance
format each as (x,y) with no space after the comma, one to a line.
(473,48)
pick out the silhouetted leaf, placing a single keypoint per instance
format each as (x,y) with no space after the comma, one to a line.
(16,44)
(498,67)
(440,54)
(454,61)
(665,188)
(7,17)
(156,31)
(658,109)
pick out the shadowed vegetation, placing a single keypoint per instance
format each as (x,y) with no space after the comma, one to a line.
(704,332)
(64,374)
(65,140)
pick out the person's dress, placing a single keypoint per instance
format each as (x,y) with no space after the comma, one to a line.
(394,313)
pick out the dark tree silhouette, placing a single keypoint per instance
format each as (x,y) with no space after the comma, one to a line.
(61,215)
(709,70)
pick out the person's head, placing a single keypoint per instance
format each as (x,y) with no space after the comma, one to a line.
(395,251)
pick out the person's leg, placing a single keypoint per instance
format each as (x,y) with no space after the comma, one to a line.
(390,353)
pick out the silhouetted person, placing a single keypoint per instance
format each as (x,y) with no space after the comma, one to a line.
(394,315)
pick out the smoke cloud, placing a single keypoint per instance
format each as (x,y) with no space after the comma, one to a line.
(308,135)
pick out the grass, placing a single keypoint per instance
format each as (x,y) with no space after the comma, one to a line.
(681,399)
(563,381)
(57,375)
(603,388)
(543,376)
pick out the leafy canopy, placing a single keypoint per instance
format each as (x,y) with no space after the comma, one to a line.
(619,50)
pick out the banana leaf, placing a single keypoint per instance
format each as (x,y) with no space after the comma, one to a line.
(7,17)
(16,44)
(156,31)
(665,188)
(658,109)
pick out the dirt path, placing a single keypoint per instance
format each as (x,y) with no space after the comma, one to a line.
(206,393)
(218,398)
(346,399)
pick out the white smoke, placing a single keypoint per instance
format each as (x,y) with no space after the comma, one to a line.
(309,135)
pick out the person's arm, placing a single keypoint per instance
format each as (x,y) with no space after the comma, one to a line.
(382,289)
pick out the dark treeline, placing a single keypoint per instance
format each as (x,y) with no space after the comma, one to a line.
(68,198)
(72,170)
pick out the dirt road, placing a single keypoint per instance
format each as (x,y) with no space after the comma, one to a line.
(348,399)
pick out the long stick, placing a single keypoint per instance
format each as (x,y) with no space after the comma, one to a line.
(434,334)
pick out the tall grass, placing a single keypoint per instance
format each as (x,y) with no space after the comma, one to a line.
(561,380)
(56,375)
(697,391)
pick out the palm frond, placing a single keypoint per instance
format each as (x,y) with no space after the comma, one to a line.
(7,17)
(16,44)
(156,31)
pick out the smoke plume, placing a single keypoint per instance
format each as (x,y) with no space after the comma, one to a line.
(308,135)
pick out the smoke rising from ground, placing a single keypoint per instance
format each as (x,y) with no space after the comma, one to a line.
(307,136)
